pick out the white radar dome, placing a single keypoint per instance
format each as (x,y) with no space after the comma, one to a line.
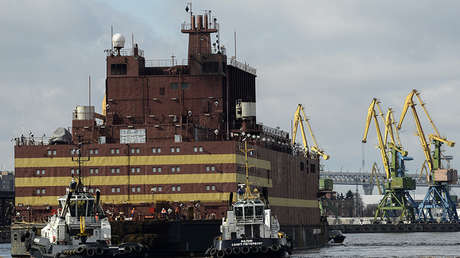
(118,41)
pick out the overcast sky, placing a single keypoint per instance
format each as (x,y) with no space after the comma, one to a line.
(331,56)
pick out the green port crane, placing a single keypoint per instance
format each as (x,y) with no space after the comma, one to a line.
(396,201)
(437,196)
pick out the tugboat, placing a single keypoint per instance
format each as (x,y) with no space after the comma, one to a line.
(336,237)
(249,229)
(78,229)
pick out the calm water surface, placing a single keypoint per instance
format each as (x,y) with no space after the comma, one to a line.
(392,245)
(375,245)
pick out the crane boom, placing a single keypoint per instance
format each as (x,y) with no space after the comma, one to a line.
(299,117)
(421,135)
(371,114)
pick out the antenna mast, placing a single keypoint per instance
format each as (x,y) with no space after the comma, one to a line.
(89,90)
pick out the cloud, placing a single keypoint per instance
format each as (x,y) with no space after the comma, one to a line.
(331,56)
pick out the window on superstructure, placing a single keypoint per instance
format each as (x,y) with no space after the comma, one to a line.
(38,172)
(113,189)
(118,171)
(138,189)
(133,189)
(173,188)
(96,151)
(177,149)
(160,188)
(117,151)
(213,187)
(248,211)
(200,149)
(208,169)
(177,169)
(195,149)
(54,152)
(91,151)
(208,187)
(154,189)
(43,191)
(118,69)
(96,171)
(38,191)
(50,152)
(159,170)
(162,91)
(173,149)
(154,169)
(91,171)
(133,170)
(213,168)
(178,188)
(174,85)
(118,189)
(173,169)
(112,151)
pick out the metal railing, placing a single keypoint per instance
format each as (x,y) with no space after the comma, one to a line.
(165,62)
(243,66)
(30,141)
(124,52)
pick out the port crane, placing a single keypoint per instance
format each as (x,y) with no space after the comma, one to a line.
(437,196)
(396,199)
(375,179)
(299,117)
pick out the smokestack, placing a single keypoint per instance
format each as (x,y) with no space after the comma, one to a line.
(200,22)
(206,21)
(192,23)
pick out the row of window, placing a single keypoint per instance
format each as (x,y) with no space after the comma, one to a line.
(95,171)
(210,188)
(40,191)
(51,152)
(132,150)
(174,188)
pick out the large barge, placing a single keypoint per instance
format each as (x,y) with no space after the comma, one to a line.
(165,152)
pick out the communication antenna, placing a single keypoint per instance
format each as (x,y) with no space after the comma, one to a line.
(234,38)
(89,90)
(132,39)
(111,36)
(188,7)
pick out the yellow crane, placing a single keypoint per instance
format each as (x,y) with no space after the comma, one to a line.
(433,162)
(396,199)
(375,174)
(372,114)
(299,117)
(437,196)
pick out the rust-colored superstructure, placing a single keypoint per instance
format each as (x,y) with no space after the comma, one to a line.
(170,136)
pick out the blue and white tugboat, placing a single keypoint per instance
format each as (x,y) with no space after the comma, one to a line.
(79,229)
(250,229)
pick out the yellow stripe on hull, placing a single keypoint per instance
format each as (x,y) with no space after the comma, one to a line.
(200,178)
(299,203)
(114,161)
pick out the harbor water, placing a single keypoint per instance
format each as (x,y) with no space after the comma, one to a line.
(376,245)
(392,245)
